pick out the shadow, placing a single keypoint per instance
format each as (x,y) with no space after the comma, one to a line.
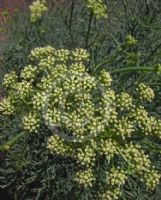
(4,195)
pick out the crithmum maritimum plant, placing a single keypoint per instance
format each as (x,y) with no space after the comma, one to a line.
(86,120)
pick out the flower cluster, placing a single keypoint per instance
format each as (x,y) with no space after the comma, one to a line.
(145,92)
(151,179)
(52,117)
(109,148)
(139,114)
(87,120)
(123,128)
(57,146)
(105,78)
(116,177)
(136,158)
(86,156)
(62,55)
(9,80)
(28,73)
(37,8)
(79,55)
(124,101)
(98,8)
(130,40)
(149,125)
(85,177)
(7,107)
(23,89)
(39,100)
(40,53)
(31,123)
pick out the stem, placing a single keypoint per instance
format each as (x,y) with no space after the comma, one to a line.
(88,29)
(69,32)
(132,69)
(71,14)
(9,144)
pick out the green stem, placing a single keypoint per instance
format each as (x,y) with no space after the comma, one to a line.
(88,29)
(133,69)
(71,14)
(9,144)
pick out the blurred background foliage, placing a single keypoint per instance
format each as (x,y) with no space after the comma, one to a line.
(67,26)
(70,25)
(36,175)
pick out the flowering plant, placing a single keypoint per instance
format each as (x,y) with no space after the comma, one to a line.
(37,8)
(85,118)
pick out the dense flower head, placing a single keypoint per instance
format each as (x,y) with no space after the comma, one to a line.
(52,116)
(31,123)
(124,101)
(145,92)
(41,52)
(85,177)
(57,145)
(10,79)
(137,159)
(108,147)
(39,100)
(98,8)
(86,155)
(62,55)
(139,114)
(79,55)
(37,8)
(105,78)
(86,119)
(23,89)
(28,73)
(6,106)
(116,177)
(130,40)
(151,179)
(123,128)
